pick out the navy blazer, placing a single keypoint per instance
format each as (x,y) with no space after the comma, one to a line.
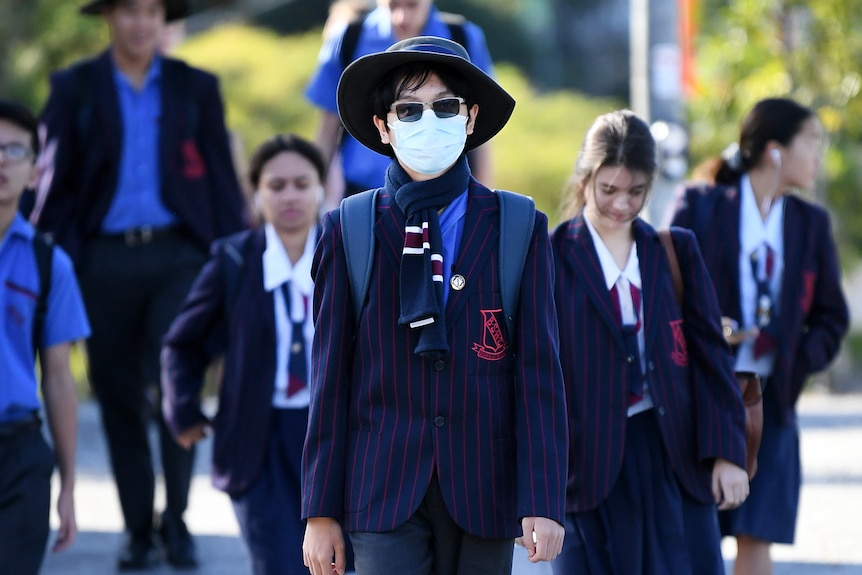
(813,315)
(488,419)
(246,335)
(198,181)
(689,366)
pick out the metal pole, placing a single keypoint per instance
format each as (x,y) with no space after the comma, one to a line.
(639,38)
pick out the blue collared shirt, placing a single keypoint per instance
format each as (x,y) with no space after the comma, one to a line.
(364,167)
(138,201)
(65,318)
(452,228)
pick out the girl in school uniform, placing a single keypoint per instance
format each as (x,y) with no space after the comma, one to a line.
(774,265)
(656,420)
(252,303)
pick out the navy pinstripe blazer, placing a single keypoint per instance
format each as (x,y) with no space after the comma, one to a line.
(689,367)
(198,181)
(813,315)
(489,419)
(246,335)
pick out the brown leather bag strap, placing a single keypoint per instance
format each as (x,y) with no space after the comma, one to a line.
(667,243)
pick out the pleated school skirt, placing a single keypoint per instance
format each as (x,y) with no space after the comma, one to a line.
(770,511)
(648,525)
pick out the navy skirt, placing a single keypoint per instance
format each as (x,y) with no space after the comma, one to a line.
(648,524)
(770,511)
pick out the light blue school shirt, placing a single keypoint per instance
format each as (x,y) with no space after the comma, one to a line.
(138,201)
(65,317)
(452,228)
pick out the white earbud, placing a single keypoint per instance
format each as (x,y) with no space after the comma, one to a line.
(776,156)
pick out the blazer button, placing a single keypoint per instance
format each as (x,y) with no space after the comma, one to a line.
(439,421)
(630,359)
(439,365)
(651,366)
(661,410)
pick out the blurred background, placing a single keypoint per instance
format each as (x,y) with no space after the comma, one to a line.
(693,68)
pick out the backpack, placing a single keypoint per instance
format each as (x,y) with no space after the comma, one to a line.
(455,22)
(517,219)
(43,247)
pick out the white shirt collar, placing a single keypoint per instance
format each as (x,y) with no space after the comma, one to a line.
(610,268)
(753,231)
(277,268)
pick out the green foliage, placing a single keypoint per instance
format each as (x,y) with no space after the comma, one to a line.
(810,51)
(39,36)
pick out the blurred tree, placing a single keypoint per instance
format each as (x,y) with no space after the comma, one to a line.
(811,51)
(38,36)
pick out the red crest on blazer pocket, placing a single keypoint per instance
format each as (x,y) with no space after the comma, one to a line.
(679,355)
(493,346)
(808,280)
(193,164)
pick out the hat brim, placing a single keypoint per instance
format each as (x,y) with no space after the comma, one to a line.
(361,77)
(174,9)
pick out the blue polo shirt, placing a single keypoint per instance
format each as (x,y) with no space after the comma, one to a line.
(138,201)
(65,318)
(364,167)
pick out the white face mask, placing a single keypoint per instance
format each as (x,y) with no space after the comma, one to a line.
(429,145)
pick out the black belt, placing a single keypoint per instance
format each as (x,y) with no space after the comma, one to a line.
(143,235)
(11,429)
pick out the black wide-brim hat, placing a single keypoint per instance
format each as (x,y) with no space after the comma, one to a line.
(174,9)
(364,74)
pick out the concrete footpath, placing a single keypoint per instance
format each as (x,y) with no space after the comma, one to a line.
(828,541)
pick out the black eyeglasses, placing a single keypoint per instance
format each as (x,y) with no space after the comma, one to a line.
(15,152)
(443,108)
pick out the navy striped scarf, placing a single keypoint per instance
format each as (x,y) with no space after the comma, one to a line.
(422,305)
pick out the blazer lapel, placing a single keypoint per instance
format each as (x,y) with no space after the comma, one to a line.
(792,264)
(263,300)
(649,258)
(478,239)
(727,235)
(110,118)
(583,255)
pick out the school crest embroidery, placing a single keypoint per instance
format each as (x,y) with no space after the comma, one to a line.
(493,346)
(193,164)
(680,351)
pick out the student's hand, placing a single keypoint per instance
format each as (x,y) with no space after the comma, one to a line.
(68,526)
(323,539)
(729,484)
(543,538)
(192,435)
(733,335)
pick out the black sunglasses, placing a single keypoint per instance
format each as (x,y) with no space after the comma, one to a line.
(443,108)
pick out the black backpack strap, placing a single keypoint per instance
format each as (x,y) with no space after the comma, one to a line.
(350,40)
(456,23)
(517,220)
(357,235)
(43,247)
